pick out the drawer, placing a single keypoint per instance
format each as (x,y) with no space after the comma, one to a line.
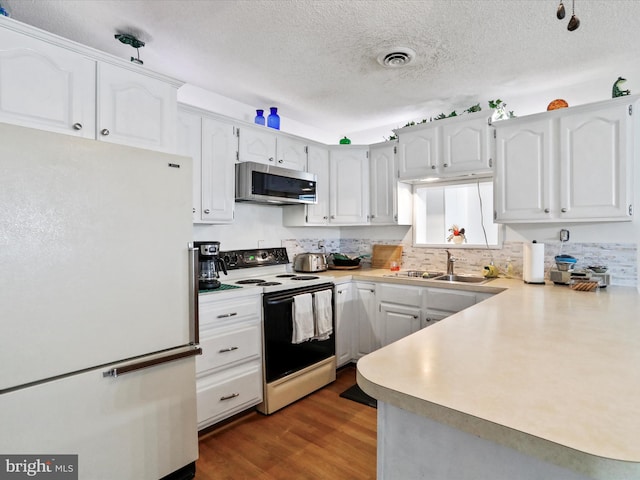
(231,310)
(449,300)
(400,294)
(225,347)
(220,396)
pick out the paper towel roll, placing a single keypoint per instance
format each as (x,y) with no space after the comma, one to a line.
(533,263)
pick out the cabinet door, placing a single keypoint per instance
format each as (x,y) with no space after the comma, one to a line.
(344,324)
(398,321)
(367,335)
(318,163)
(47,87)
(349,187)
(136,110)
(465,146)
(189,144)
(383,185)
(292,153)
(219,146)
(418,152)
(522,177)
(595,160)
(257,144)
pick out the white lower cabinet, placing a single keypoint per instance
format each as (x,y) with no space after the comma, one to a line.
(229,371)
(398,321)
(366,336)
(399,311)
(344,323)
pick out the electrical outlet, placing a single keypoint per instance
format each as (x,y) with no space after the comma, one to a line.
(564,235)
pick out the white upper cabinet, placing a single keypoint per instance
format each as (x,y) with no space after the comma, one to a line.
(136,110)
(349,185)
(342,187)
(219,147)
(318,164)
(45,86)
(522,176)
(596,159)
(212,143)
(267,146)
(448,147)
(383,184)
(50,83)
(189,144)
(572,164)
(465,145)
(419,150)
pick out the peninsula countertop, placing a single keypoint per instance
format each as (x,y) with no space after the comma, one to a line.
(549,371)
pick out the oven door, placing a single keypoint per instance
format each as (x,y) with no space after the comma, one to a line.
(282,357)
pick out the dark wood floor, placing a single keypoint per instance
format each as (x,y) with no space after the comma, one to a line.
(322,436)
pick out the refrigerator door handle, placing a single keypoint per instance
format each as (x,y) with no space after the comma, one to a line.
(194,314)
(115,372)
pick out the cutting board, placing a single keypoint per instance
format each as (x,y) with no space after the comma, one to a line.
(383,255)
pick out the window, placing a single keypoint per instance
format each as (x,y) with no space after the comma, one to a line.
(455,214)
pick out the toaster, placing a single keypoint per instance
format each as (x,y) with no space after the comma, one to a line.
(310,262)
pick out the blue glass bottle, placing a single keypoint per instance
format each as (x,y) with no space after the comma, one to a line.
(260,120)
(273,120)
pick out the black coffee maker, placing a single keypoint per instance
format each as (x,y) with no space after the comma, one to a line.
(210,265)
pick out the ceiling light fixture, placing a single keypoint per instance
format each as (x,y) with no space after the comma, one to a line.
(396,57)
(129,39)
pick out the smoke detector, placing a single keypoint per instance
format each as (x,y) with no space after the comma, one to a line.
(396,57)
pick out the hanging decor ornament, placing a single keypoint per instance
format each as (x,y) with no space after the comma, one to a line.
(574,22)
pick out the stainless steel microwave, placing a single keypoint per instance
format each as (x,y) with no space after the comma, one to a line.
(260,183)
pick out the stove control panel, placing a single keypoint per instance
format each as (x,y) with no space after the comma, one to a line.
(235,259)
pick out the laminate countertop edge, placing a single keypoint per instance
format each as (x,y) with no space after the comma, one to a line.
(484,371)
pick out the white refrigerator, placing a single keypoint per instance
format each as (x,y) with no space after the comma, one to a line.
(98,306)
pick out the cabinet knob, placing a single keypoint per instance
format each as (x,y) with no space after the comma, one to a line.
(77,126)
(433,167)
(207,211)
(546,210)
(325,218)
(271,159)
(333,216)
(194,210)
(372,216)
(563,210)
(280,161)
(105,131)
(445,165)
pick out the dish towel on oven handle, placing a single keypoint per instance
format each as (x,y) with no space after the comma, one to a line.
(303,324)
(322,303)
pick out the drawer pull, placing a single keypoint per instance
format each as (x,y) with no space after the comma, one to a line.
(228,349)
(227,315)
(229,397)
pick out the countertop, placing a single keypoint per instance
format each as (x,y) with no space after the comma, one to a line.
(546,370)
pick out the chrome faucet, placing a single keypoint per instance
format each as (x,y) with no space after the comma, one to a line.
(450,262)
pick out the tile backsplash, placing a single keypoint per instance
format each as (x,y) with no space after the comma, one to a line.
(619,257)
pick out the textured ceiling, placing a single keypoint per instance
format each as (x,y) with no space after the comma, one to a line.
(316,59)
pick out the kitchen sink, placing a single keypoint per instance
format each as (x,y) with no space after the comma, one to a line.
(415,274)
(462,278)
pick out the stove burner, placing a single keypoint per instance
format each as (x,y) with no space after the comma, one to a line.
(286,275)
(269,284)
(304,277)
(250,281)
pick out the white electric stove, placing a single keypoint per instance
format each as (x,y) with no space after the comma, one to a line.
(268,269)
